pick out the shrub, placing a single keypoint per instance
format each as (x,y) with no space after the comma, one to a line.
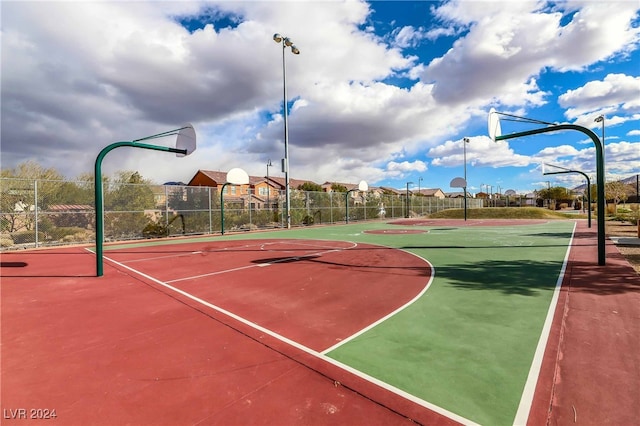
(61,233)
(154,230)
(26,237)
(79,237)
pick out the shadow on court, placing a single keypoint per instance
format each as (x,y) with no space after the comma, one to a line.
(48,263)
(525,277)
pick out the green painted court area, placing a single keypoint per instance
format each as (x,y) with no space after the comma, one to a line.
(468,343)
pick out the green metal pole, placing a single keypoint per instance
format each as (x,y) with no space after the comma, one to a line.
(222,207)
(588,188)
(599,173)
(99,203)
(346,203)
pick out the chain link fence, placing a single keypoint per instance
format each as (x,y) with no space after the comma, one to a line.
(38,213)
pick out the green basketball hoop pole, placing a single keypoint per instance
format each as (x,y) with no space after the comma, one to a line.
(99,203)
(599,173)
(565,171)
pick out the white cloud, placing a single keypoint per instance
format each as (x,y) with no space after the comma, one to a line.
(481,151)
(510,43)
(396,169)
(78,76)
(616,91)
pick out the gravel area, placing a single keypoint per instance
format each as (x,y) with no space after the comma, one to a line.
(625,229)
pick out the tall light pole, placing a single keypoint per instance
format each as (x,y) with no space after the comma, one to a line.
(600,119)
(465,142)
(286,42)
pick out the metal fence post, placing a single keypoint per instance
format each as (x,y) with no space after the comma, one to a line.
(35,204)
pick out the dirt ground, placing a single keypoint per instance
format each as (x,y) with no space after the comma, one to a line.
(625,229)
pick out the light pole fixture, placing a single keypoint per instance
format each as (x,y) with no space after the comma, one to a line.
(495,133)
(600,119)
(464,144)
(286,42)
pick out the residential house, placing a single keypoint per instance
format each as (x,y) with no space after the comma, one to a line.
(260,192)
(431,192)
(393,191)
(216,179)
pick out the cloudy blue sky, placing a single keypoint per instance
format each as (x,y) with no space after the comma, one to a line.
(381,91)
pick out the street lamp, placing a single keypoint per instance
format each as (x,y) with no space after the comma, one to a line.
(465,142)
(600,119)
(286,42)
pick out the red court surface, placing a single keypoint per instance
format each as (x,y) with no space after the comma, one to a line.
(591,369)
(316,293)
(127,349)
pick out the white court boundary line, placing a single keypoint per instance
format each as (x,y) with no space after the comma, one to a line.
(386,317)
(522,415)
(319,355)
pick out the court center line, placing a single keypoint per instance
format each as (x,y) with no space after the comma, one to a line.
(303,348)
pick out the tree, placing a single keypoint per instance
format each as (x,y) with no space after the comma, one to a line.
(19,192)
(310,186)
(616,191)
(336,187)
(125,201)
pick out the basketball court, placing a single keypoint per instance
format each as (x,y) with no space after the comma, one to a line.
(320,325)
